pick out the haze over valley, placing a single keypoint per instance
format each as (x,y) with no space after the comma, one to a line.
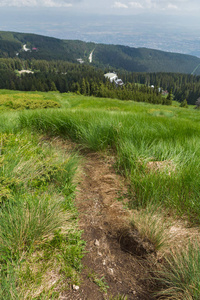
(163,32)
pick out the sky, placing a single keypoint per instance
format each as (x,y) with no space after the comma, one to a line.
(111,6)
(148,23)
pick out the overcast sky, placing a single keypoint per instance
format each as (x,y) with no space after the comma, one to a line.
(171,25)
(112,6)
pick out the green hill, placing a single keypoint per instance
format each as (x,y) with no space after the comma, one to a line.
(112,56)
(145,60)
(48,48)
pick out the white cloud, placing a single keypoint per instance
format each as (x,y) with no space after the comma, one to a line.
(18,3)
(37,3)
(172,6)
(156,5)
(52,3)
(136,4)
(120,5)
(124,6)
(163,4)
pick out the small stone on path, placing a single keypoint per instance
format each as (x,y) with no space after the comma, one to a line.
(97,243)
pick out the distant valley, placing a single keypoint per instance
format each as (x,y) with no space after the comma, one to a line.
(161,32)
(30,62)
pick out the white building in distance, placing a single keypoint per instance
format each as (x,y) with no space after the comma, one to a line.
(111,76)
(114,78)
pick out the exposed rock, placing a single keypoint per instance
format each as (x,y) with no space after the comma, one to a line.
(75,287)
(97,243)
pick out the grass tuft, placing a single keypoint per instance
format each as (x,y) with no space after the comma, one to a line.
(179,275)
(152,224)
(26,222)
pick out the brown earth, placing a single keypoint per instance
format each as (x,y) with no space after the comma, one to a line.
(114,263)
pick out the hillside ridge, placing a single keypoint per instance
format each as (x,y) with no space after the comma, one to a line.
(104,56)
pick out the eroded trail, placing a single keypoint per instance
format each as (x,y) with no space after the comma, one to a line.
(109,270)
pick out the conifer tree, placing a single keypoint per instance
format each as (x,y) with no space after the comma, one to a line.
(184,103)
(83,87)
(169,98)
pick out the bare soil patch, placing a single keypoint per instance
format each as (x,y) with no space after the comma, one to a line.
(157,166)
(114,249)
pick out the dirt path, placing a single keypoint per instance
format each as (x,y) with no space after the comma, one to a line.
(106,223)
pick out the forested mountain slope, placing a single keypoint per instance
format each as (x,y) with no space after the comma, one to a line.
(145,60)
(113,56)
(47,48)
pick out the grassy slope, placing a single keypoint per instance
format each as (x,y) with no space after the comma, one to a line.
(19,101)
(141,135)
(40,245)
(157,148)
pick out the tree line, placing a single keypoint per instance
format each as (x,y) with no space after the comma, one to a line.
(183,86)
(87,80)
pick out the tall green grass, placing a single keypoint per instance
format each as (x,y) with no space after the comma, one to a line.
(37,217)
(179,275)
(25,222)
(89,129)
(157,148)
(8,122)
(138,139)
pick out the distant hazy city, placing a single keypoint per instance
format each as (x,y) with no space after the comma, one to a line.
(162,32)
(133,31)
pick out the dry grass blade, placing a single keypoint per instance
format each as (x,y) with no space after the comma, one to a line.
(153,225)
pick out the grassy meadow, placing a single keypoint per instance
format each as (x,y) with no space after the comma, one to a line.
(40,244)
(156,147)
